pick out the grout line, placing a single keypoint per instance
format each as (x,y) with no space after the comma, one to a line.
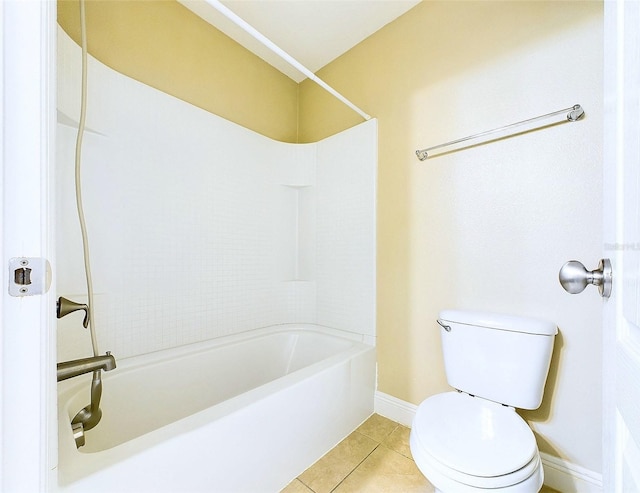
(387,436)
(307,486)
(357,465)
(378,442)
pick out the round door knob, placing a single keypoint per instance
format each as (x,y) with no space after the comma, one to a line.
(574,277)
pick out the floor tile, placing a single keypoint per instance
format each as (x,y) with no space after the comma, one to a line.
(546,489)
(296,486)
(376,458)
(385,471)
(330,470)
(377,427)
(398,441)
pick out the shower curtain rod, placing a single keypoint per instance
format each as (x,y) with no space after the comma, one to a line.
(575,113)
(249,29)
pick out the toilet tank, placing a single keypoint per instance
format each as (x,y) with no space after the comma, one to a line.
(503,358)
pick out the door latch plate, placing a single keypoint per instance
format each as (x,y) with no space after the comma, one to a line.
(29,276)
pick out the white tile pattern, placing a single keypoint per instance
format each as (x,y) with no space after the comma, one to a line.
(200,228)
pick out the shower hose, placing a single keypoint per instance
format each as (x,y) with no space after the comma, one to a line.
(78,178)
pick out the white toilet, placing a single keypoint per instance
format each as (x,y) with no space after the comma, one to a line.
(471,439)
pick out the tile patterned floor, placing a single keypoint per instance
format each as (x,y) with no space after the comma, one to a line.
(375,458)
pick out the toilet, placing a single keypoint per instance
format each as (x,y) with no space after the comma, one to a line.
(471,439)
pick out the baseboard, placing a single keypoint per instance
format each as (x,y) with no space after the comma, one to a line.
(567,477)
(395,409)
(559,474)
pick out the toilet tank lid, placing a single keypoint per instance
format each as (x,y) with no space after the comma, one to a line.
(500,321)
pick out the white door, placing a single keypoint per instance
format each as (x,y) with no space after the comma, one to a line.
(27,338)
(621,324)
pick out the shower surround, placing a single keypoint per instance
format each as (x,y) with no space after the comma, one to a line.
(202,231)
(200,228)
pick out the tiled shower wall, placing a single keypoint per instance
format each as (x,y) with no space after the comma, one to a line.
(199,228)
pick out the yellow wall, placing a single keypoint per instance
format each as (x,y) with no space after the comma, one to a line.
(489,227)
(164,45)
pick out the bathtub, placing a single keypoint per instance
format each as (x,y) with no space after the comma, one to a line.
(247,413)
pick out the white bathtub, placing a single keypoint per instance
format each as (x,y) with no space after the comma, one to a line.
(243,414)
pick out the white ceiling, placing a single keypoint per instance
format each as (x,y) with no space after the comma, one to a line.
(314,32)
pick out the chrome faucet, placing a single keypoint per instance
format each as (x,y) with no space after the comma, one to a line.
(70,369)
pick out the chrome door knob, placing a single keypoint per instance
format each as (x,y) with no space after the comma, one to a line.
(574,277)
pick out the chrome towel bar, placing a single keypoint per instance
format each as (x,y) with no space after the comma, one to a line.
(574,114)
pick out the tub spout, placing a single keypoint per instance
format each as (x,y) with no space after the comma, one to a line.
(70,369)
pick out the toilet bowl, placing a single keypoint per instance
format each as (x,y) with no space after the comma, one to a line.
(465,444)
(471,439)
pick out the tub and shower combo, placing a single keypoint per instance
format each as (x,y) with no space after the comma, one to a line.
(234,281)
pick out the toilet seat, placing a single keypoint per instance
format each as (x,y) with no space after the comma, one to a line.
(442,476)
(474,442)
